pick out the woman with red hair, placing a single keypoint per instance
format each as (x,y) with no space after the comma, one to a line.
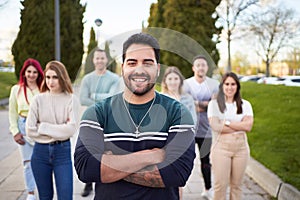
(21,94)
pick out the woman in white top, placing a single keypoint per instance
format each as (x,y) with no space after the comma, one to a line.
(230,117)
(52,120)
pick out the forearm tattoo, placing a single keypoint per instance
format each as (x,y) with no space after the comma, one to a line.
(148,176)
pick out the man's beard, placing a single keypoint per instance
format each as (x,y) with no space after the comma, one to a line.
(136,91)
(201,75)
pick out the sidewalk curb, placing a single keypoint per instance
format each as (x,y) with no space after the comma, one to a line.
(287,191)
(271,182)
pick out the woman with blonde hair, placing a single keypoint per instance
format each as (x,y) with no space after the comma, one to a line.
(52,120)
(21,94)
(172,86)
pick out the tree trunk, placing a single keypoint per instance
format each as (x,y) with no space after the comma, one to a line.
(229,54)
(267,67)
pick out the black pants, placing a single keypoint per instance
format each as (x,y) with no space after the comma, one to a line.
(204,145)
(89,186)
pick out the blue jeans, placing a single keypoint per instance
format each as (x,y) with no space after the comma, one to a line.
(53,158)
(26,152)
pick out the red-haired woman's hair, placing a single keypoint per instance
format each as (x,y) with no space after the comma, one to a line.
(22,80)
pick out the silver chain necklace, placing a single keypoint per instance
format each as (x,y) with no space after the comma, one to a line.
(138,126)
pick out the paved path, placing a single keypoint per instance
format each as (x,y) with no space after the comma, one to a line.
(12,184)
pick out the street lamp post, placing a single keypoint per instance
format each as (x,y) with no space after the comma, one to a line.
(98,23)
(57,31)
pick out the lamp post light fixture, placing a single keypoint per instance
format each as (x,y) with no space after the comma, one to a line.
(98,23)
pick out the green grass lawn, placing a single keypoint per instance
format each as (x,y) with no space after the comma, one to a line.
(7,79)
(275,138)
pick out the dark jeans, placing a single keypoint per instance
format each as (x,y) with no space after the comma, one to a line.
(204,145)
(53,158)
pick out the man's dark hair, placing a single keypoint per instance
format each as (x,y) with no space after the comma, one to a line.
(97,49)
(142,38)
(200,57)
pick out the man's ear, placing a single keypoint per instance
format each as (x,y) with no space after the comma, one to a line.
(122,69)
(158,69)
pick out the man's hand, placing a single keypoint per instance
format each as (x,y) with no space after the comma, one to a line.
(93,96)
(201,106)
(116,167)
(19,139)
(149,176)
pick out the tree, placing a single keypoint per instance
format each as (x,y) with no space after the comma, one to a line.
(36,36)
(230,14)
(273,28)
(156,18)
(71,35)
(112,64)
(93,42)
(193,19)
(89,66)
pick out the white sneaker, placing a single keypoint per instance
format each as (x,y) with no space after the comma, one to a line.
(30,197)
(207,194)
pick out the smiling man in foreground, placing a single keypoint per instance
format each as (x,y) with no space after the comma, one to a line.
(138,144)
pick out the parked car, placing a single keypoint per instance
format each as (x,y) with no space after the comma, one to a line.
(291,81)
(271,80)
(250,78)
(240,76)
(266,80)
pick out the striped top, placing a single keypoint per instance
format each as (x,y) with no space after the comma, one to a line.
(106,126)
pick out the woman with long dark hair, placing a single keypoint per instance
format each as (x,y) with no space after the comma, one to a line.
(21,94)
(230,117)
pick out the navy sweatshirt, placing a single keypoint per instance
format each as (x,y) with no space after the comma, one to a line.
(106,126)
